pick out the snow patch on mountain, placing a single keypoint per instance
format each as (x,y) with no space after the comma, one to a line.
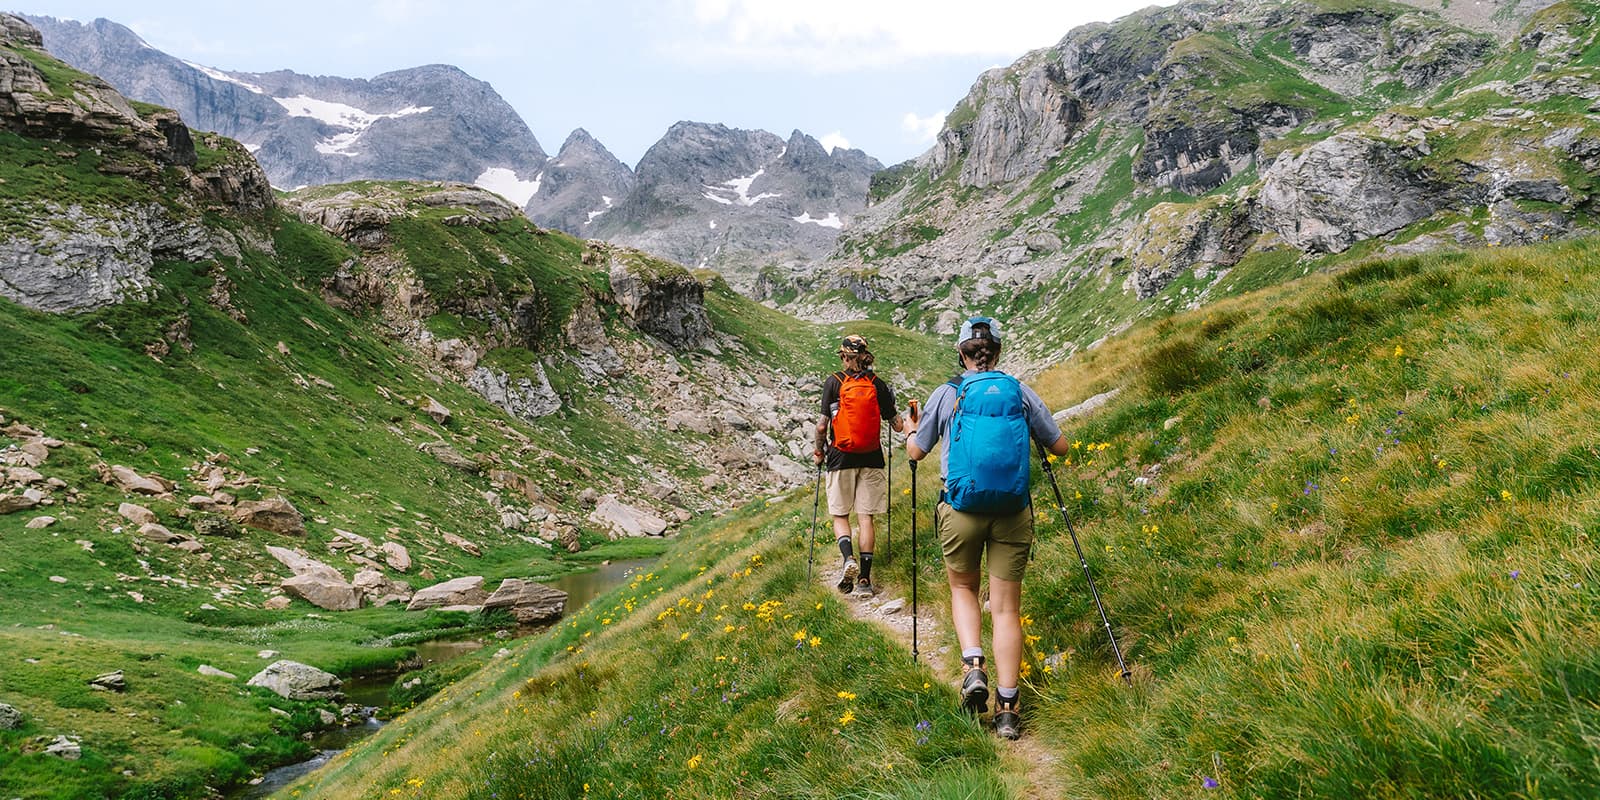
(592,214)
(741,187)
(223,76)
(504,182)
(340,115)
(830,221)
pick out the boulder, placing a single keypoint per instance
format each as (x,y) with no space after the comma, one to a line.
(530,602)
(277,603)
(295,681)
(626,520)
(127,480)
(212,672)
(436,409)
(136,514)
(378,590)
(213,525)
(395,555)
(450,457)
(333,594)
(109,682)
(23,476)
(40,522)
(303,565)
(465,546)
(64,747)
(274,515)
(160,534)
(190,546)
(467,591)
(11,503)
(10,717)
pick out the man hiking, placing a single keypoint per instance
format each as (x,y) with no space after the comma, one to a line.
(986,419)
(855,401)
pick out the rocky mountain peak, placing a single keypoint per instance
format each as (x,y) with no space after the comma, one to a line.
(584,181)
(429,122)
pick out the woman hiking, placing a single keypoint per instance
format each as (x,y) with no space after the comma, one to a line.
(854,403)
(986,419)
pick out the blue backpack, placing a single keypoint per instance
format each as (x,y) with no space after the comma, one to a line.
(988,466)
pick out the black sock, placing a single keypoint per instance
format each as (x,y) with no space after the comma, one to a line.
(866,566)
(844,546)
(1009,699)
(973,661)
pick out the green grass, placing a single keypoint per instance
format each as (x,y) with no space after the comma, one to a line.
(1391,547)
(760,686)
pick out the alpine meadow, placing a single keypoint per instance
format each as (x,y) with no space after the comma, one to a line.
(463,471)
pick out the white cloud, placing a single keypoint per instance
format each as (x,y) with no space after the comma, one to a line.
(841,35)
(923,129)
(835,140)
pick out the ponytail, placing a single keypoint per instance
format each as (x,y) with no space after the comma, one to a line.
(982,352)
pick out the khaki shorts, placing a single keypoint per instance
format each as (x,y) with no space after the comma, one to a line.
(861,490)
(965,536)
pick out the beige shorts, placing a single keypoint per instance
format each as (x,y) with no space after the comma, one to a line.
(860,490)
(965,537)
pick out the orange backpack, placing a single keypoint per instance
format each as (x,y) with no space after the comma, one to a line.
(856,425)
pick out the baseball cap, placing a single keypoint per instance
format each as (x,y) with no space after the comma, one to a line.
(979,328)
(853,344)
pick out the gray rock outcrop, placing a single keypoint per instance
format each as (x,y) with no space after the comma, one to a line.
(10,718)
(295,681)
(527,397)
(529,602)
(661,299)
(459,592)
(273,515)
(626,520)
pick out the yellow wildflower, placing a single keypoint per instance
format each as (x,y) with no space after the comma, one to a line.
(847,695)
(693,762)
(848,716)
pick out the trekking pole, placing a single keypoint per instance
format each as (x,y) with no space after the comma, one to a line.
(888,520)
(1061,504)
(914,581)
(816,500)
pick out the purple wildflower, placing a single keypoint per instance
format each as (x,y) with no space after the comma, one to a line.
(924,725)
(1515,574)
(1209,782)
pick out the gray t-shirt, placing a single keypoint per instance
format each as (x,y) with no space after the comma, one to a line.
(940,411)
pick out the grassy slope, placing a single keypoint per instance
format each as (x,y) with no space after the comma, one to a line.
(1379,582)
(334,425)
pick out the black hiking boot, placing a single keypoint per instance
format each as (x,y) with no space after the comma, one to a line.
(1007,721)
(864,589)
(975,690)
(851,570)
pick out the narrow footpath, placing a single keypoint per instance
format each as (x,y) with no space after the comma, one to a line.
(1030,770)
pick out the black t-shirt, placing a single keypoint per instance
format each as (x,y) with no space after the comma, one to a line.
(837,459)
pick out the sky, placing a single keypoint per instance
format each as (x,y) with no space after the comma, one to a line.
(876,75)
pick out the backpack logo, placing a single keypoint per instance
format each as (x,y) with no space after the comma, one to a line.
(857,423)
(988,466)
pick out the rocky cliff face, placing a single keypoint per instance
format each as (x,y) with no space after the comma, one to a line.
(432,122)
(581,183)
(734,200)
(631,327)
(1145,158)
(61,252)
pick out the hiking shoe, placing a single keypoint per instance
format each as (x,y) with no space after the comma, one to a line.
(864,589)
(851,570)
(975,691)
(1007,722)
